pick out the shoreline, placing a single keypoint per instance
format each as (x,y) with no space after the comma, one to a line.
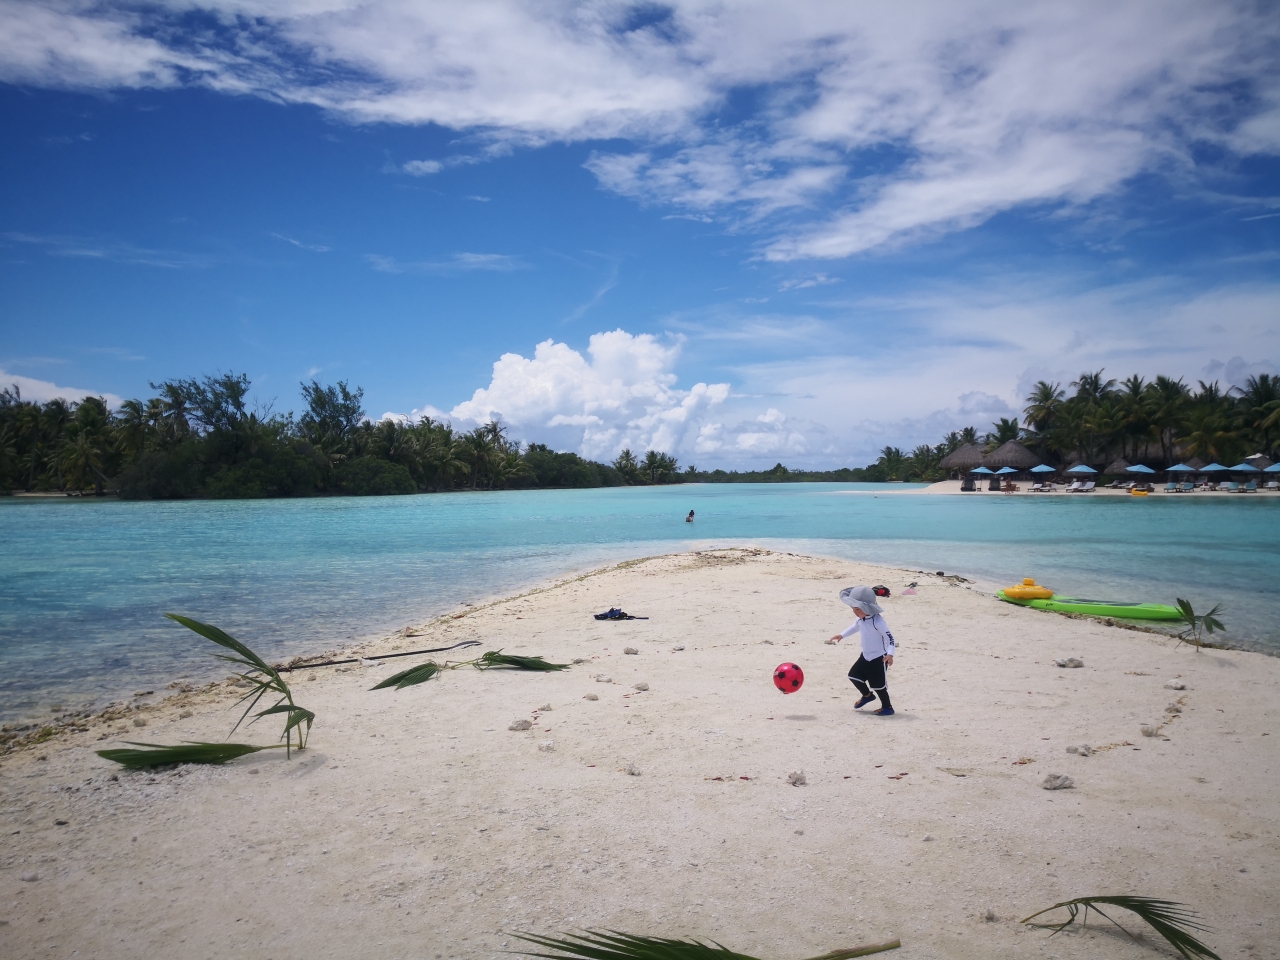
(417,812)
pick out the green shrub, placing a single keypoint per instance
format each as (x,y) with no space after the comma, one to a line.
(371,477)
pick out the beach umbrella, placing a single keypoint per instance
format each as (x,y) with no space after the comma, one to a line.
(1138,468)
(1181,468)
(1004,470)
(1082,468)
(1044,468)
(1274,468)
(1245,467)
(1212,468)
(981,470)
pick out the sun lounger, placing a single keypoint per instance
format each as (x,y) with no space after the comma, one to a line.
(1186,487)
(1233,487)
(1171,487)
(1088,487)
(1076,487)
(1251,487)
(1273,485)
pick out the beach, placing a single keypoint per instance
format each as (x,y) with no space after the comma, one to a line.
(416,823)
(1024,488)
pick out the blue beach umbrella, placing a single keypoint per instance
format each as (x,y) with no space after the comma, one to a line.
(1044,468)
(1181,468)
(1082,468)
(1212,468)
(1138,468)
(1245,467)
(1005,470)
(981,470)
(1274,468)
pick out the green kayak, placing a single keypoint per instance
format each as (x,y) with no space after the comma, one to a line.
(1100,608)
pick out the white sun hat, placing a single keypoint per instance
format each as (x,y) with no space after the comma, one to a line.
(862,597)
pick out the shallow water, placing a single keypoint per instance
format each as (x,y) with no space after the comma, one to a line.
(83,583)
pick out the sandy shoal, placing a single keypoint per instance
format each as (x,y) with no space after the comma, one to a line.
(417,825)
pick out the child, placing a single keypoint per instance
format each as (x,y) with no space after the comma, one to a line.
(878,647)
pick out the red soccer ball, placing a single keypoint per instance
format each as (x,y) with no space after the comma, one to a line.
(788,677)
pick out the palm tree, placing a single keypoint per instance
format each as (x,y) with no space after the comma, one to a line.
(893,461)
(1259,399)
(80,462)
(1168,407)
(1091,388)
(1042,405)
(627,465)
(1005,430)
(1208,436)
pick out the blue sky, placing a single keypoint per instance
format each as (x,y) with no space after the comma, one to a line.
(739,234)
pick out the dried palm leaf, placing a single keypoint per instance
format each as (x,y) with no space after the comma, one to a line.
(612,945)
(1173,921)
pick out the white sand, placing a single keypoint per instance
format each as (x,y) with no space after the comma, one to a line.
(416,825)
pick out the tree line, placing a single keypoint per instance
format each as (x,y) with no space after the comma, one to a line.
(199,438)
(1157,422)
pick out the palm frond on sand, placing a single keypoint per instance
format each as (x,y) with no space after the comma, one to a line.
(1173,921)
(263,678)
(496,658)
(612,945)
(407,678)
(193,751)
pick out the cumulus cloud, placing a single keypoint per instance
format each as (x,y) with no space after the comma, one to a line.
(621,393)
(41,391)
(836,129)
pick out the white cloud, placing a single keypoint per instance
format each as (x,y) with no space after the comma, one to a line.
(313,247)
(458,263)
(42,391)
(621,393)
(422,168)
(837,128)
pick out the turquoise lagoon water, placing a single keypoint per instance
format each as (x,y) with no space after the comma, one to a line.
(83,583)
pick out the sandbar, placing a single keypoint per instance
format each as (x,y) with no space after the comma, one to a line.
(416,824)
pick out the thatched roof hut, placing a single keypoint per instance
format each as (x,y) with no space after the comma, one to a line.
(1117,466)
(1259,461)
(1012,454)
(964,457)
(1195,463)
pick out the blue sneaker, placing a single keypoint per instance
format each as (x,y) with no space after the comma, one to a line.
(863,702)
(885,712)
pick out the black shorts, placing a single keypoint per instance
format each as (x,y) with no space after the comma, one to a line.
(870,672)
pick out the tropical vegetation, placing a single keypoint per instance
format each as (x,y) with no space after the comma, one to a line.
(199,438)
(1155,422)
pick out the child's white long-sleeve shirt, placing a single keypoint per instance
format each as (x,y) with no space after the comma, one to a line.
(876,638)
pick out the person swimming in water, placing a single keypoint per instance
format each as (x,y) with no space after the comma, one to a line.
(689,518)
